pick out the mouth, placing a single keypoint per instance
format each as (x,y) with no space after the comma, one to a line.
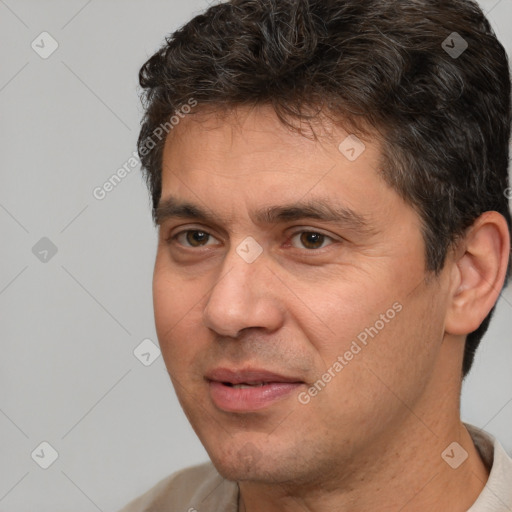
(249,390)
(246,385)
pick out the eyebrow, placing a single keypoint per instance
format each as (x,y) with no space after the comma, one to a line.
(318,209)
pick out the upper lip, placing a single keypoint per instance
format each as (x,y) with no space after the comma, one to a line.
(247,376)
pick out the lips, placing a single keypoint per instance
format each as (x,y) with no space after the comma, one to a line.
(248,390)
(247,376)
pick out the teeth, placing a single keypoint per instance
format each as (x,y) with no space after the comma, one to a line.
(245,386)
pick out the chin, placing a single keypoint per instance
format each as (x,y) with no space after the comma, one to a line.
(245,462)
(237,458)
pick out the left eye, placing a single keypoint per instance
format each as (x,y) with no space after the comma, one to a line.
(312,239)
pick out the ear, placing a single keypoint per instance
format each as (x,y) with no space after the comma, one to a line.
(478,273)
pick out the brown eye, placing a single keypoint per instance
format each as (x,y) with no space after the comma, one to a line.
(311,239)
(193,238)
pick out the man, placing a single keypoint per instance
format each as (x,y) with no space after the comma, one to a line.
(329,178)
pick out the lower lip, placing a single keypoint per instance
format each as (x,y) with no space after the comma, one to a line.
(255,398)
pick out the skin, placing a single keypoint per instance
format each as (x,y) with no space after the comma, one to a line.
(372,439)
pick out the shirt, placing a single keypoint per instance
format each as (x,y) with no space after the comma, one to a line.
(201,488)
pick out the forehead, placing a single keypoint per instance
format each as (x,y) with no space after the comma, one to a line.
(260,128)
(248,159)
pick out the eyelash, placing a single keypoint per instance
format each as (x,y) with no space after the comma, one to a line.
(172,239)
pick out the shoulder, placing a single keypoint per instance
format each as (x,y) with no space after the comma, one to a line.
(195,488)
(497,493)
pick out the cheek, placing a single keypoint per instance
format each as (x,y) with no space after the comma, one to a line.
(381,370)
(396,360)
(374,327)
(176,306)
(166,303)
(348,311)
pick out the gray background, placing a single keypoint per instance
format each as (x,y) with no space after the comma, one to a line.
(69,325)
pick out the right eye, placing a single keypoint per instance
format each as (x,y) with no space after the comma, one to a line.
(192,238)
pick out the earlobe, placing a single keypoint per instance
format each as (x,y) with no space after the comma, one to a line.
(479,273)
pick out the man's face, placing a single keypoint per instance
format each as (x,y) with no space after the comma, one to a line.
(332,315)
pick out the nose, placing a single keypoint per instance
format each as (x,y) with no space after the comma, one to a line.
(243,297)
